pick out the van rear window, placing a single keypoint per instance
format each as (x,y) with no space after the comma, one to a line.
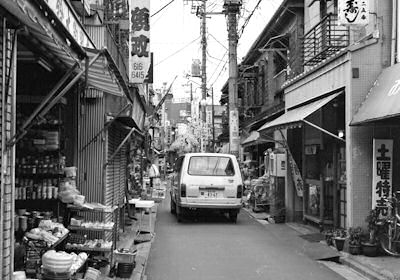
(211,165)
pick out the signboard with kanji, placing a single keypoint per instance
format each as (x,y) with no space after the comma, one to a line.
(296,176)
(382,174)
(139,40)
(70,21)
(353,12)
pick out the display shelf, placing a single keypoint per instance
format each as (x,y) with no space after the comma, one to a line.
(90,229)
(99,210)
(38,200)
(40,175)
(59,241)
(88,249)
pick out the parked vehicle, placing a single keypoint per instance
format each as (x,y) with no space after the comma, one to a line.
(207,180)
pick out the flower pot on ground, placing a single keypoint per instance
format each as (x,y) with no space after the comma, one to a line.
(369,242)
(355,240)
(369,249)
(339,243)
(339,238)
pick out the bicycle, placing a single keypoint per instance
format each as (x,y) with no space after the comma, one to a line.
(389,227)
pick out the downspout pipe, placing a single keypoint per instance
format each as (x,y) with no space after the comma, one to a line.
(394,41)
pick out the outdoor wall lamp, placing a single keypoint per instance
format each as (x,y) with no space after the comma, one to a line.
(341,133)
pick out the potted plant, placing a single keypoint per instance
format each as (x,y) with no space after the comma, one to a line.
(355,240)
(339,236)
(369,243)
(329,237)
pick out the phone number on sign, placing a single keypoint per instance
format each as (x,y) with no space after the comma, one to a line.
(138,71)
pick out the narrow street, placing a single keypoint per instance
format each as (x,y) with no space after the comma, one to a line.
(213,248)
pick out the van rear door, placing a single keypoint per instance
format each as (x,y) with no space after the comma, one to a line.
(211,177)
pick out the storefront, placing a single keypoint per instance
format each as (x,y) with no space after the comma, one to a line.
(379,115)
(254,147)
(311,141)
(48,78)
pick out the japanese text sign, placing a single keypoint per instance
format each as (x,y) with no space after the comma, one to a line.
(296,176)
(65,14)
(353,12)
(382,174)
(139,40)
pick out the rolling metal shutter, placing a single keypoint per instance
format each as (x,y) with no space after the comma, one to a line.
(7,124)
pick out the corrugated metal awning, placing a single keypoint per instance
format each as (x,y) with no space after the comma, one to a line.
(40,25)
(383,99)
(104,74)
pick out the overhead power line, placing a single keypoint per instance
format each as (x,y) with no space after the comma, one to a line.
(177,51)
(166,5)
(248,19)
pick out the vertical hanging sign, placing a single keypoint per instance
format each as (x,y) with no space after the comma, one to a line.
(139,40)
(353,12)
(382,174)
(296,176)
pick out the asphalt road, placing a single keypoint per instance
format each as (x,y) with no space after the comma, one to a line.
(210,247)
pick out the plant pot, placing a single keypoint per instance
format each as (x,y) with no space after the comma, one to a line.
(355,249)
(370,249)
(339,243)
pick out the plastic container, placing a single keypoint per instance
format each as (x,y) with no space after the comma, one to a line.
(70,171)
(124,256)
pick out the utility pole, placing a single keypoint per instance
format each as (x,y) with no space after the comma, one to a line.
(232,8)
(201,11)
(204,58)
(212,116)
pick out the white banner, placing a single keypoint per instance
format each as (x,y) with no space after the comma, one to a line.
(139,40)
(382,168)
(353,12)
(234,138)
(296,176)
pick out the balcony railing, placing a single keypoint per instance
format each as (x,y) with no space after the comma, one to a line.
(324,40)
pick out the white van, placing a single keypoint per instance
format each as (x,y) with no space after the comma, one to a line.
(207,180)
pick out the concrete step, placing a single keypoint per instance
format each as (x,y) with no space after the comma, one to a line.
(344,271)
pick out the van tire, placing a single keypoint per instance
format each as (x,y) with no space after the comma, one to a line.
(178,213)
(173,207)
(233,216)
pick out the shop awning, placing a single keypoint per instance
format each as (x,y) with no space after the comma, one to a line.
(104,74)
(383,99)
(296,117)
(254,139)
(42,26)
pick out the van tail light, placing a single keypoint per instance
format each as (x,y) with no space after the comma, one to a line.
(183,190)
(239,193)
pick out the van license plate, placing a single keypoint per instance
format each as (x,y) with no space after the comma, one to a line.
(211,194)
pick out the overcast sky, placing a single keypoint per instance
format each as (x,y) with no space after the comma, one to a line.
(175,40)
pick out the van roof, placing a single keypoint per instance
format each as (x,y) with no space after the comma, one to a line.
(210,154)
